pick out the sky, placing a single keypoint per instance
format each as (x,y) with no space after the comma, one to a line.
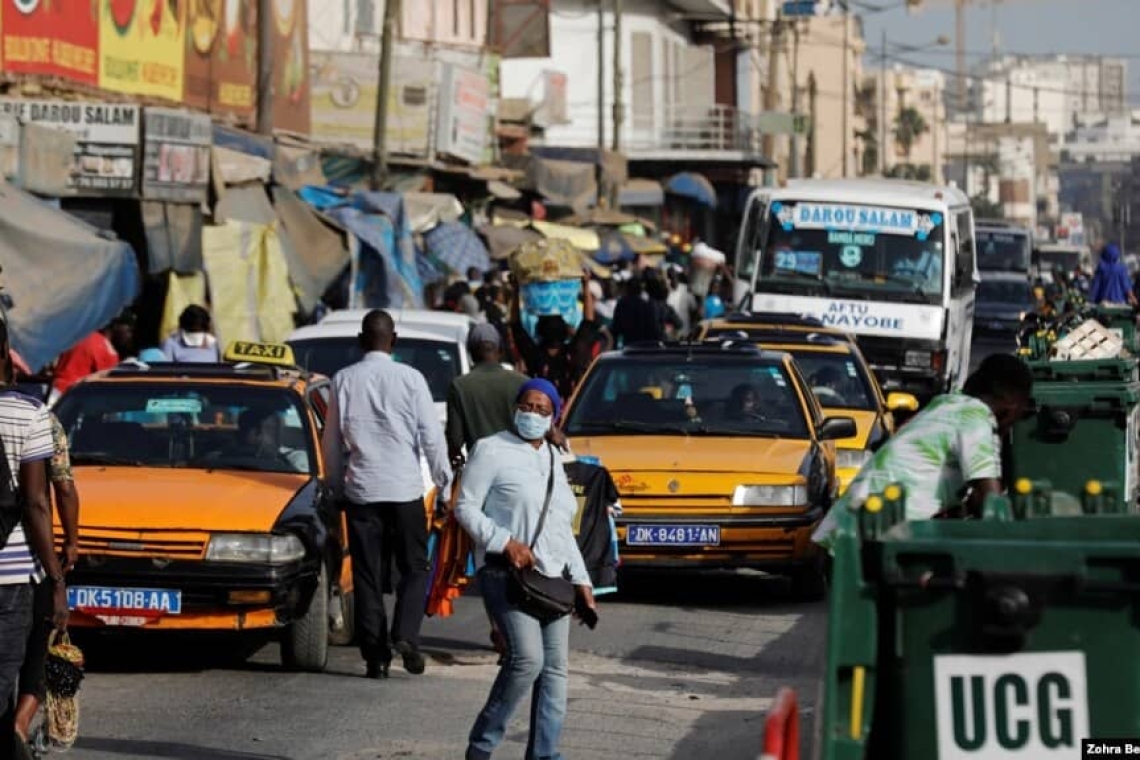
(1104,27)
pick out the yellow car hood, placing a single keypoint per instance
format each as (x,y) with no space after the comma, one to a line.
(145,498)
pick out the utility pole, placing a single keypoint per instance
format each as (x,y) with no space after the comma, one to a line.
(846,85)
(618,84)
(770,96)
(265,67)
(1036,103)
(379,130)
(795,162)
(601,80)
(883,107)
(811,161)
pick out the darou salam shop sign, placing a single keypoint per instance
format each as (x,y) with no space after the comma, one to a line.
(106,141)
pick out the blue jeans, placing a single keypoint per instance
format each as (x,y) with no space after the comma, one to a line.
(536,661)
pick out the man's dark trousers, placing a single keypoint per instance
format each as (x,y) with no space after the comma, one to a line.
(15,621)
(369,527)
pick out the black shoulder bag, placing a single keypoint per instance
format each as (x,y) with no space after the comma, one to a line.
(532,592)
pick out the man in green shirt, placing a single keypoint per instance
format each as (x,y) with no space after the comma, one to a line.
(482,402)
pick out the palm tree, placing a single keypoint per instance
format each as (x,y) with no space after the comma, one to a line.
(909,126)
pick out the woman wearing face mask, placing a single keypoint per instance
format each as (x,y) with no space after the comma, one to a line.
(500,505)
(193,342)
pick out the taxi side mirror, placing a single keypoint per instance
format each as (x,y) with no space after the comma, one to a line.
(837,428)
(901,402)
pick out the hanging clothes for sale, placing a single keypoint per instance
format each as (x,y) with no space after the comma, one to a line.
(598,503)
(452,559)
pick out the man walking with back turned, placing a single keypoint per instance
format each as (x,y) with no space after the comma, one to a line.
(380,418)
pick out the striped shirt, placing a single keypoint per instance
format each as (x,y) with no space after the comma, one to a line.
(25,431)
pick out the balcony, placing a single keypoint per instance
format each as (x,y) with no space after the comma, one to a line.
(675,133)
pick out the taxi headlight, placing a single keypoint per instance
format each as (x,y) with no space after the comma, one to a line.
(917,358)
(851,459)
(769,496)
(264,548)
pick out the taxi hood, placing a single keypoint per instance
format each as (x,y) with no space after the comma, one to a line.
(154,498)
(680,453)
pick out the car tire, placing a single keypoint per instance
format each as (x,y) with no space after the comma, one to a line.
(347,634)
(305,645)
(809,580)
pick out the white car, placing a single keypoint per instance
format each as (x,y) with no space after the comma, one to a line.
(438,350)
(443,323)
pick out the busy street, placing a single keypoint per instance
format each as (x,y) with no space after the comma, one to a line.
(569,379)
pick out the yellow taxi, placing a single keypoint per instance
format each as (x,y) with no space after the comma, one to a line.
(204,506)
(837,373)
(722,455)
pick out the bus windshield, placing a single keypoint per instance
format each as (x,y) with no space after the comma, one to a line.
(1003,251)
(852,250)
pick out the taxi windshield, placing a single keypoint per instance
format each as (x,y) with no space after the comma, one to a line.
(838,380)
(680,396)
(854,251)
(187,426)
(438,360)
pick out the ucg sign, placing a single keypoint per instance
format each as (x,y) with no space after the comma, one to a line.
(1020,706)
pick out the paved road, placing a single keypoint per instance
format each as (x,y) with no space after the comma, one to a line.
(681,667)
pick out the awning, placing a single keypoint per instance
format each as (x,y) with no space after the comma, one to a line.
(458,247)
(64,277)
(173,237)
(694,186)
(316,253)
(564,183)
(641,192)
(502,240)
(581,238)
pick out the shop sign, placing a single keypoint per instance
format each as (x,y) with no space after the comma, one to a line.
(106,141)
(176,166)
(290,65)
(464,111)
(344,101)
(221,57)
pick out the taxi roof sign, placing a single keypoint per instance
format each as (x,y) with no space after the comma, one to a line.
(273,354)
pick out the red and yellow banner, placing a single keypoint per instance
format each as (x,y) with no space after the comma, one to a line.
(221,57)
(141,47)
(57,38)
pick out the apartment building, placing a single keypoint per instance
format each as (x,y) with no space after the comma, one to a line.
(913,122)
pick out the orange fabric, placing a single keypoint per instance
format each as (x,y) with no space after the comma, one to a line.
(453,547)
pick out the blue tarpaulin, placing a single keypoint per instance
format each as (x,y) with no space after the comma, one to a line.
(694,186)
(65,278)
(457,246)
(383,254)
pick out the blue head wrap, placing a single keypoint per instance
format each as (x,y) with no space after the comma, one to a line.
(546,388)
(152,356)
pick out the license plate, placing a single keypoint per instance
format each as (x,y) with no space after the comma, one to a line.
(147,602)
(673,535)
(1032,706)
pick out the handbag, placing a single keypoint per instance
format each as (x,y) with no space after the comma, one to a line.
(534,593)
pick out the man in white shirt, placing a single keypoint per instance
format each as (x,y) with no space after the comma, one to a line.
(381,413)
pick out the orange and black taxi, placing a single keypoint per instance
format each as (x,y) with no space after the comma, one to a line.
(722,455)
(204,505)
(837,373)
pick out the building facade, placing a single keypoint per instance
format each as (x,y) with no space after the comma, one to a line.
(911,126)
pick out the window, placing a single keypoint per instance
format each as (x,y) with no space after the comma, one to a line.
(670,395)
(188,426)
(837,380)
(438,360)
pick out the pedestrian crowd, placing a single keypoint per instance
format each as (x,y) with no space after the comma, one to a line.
(500,453)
